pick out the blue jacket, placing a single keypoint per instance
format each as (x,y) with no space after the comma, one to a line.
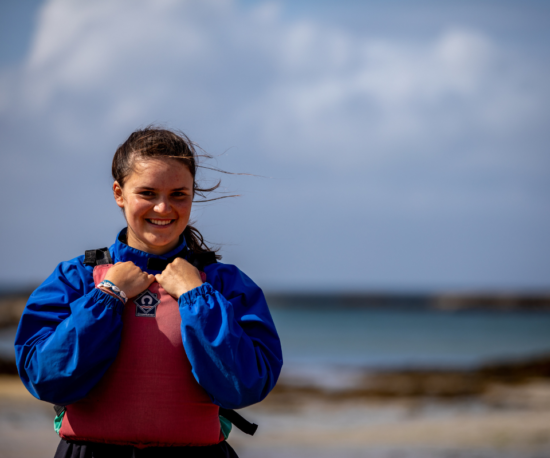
(70,333)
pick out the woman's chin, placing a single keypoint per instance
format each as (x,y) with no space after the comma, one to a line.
(159,245)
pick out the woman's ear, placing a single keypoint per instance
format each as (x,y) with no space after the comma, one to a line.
(117,192)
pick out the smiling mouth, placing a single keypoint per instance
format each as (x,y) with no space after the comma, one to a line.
(161,222)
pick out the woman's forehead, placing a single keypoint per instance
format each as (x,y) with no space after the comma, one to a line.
(159,170)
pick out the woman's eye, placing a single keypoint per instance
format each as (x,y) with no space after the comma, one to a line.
(146,193)
(179,194)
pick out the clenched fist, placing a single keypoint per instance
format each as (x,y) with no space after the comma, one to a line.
(179,277)
(129,278)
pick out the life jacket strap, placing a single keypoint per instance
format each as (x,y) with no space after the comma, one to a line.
(244,425)
(97,257)
(58,409)
(199,260)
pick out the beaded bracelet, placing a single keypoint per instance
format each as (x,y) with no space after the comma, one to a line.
(115,290)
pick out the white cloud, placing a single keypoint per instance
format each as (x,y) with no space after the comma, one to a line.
(125,63)
(395,94)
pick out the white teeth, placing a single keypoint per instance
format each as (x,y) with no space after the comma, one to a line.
(160,222)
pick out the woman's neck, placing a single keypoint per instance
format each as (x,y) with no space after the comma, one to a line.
(134,242)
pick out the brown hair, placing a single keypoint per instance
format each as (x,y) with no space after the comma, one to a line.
(153,142)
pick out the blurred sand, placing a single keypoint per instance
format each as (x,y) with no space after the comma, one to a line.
(505,422)
(26,424)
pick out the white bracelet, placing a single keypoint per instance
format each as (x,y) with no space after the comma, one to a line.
(114,289)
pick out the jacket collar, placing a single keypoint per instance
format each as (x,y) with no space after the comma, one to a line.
(122,252)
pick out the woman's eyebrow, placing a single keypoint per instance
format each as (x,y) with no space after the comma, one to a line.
(147,188)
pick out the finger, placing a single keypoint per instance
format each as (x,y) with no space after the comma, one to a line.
(179,262)
(158,277)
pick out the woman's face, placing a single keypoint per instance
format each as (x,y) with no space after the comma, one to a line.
(156,199)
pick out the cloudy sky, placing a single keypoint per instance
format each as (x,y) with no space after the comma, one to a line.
(398,145)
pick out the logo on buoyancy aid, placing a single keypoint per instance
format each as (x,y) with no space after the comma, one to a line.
(146,304)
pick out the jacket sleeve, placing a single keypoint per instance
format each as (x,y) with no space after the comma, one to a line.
(68,336)
(230,338)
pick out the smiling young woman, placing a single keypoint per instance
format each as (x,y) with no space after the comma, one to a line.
(143,346)
(156,200)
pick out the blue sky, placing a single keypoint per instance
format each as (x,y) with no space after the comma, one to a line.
(405,144)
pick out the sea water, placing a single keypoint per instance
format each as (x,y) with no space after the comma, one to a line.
(341,342)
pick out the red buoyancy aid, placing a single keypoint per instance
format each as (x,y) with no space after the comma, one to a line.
(148,397)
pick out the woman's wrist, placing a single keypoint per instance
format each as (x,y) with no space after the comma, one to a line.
(189,285)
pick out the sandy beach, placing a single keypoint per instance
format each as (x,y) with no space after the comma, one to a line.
(505,422)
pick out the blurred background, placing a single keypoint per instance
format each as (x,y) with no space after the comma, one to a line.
(398,218)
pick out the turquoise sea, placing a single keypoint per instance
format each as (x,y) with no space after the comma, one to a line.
(378,338)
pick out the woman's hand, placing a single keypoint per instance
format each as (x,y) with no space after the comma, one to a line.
(179,277)
(129,278)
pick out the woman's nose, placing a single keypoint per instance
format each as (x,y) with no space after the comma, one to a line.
(162,206)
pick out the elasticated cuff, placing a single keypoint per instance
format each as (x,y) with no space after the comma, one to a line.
(110,302)
(190,297)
